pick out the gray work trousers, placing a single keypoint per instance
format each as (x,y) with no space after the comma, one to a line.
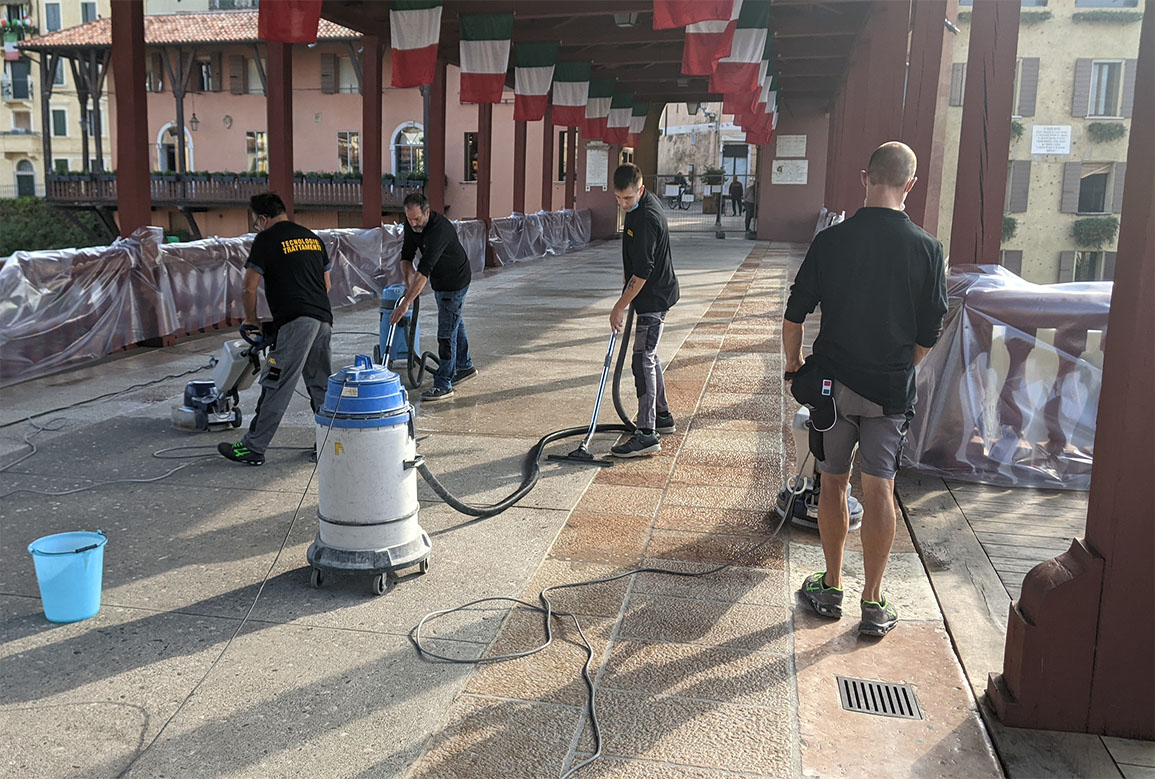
(302,349)
(648,381)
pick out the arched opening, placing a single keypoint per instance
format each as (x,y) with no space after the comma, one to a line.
(408,150)
(25,179)
(166,149)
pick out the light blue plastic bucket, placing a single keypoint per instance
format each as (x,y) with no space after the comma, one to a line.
(69,570)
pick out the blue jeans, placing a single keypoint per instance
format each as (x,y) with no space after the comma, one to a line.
(452,345)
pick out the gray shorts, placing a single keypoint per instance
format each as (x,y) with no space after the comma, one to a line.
(861,423)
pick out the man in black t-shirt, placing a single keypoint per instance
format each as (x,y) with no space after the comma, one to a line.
(295,267)
(445,266)
(881,283)
(652,289)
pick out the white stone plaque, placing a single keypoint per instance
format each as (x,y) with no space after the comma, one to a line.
(597,167)
(1051,139)
(791,146)
(790,172)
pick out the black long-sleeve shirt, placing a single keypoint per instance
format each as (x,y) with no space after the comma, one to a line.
(443,259)
(646,254)
(881,282)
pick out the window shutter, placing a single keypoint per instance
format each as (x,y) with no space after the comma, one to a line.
(157,72)
(1066,266)
(1028,85)
(1013,261)
(1117,195)
(958,75)
(1020,186)
(1072,180)
(1128,101)
(329,74)
(217,64)
(1081,97)
(1108,266)
(238,70)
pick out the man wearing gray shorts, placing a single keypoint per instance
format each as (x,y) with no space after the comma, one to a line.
(881,283)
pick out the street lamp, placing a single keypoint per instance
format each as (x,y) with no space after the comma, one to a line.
(194,123)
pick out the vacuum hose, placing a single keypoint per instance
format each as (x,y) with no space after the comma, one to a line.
(531,466)
(418,363)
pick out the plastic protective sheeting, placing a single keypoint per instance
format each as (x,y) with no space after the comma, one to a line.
(1010,393)
(60,309)
(520,237)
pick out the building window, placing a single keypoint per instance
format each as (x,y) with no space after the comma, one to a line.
(58,78)
(471,156)
(349,152)
(254,84)
(347,77)
(51,17)
(88,12)
(18,81)
(21,122)
(59,122)
(25,179)
(1106,3)
(60,166)
(1088,266)
(408,151)
(1106,80)
(202,79)
(1093,188)
(257,152)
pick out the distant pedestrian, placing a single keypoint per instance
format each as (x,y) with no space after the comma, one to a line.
(748,204)
(881,282)
(736,196)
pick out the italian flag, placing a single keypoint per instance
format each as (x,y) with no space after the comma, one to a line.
(414,32)
(571,86)
(638,122)
(292,21)
(484,56)
(738,70)
(709,41)
(598,108)
(532,75)
(669,14)
(618,122)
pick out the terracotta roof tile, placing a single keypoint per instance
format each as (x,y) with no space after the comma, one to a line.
(220,27)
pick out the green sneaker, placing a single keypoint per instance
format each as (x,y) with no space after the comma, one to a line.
(239,453)
(878,619)
(827,601)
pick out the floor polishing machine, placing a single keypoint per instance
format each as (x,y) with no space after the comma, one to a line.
(800,494)
(215,404)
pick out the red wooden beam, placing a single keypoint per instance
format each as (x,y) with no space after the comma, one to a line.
(435,140)
(371,142)
(485,170)
(133,195)
(279,105)
(547,157)
(519,133)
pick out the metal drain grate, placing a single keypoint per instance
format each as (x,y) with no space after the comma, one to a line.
(883,698)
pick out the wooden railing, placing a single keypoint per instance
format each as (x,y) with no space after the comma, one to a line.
(100,189)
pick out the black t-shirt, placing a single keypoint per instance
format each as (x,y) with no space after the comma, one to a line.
(443,259)
(293,261)
(881,282)
(646,254)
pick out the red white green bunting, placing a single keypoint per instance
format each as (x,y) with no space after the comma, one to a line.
(571,85)
(289,21)
(414,32)
(637,123)
(601,94)
(618,123)
(669,14)
(738,70)
(532,75)
(484,56)
(708,41)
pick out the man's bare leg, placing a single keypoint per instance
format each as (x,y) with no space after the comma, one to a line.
(834,523)
(878,525)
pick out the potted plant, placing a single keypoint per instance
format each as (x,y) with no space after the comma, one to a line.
(1095,231)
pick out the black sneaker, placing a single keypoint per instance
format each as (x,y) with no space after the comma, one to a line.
(639,445)
(665,424)
(239,453)
(463,375)
(436,394)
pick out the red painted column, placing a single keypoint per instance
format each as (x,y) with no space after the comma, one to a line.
(571,167)
(834,148)
(985,139)
(435,133)
(519,133)
(371,62)
(485,170)
(279,104)
(927,94)
(547,157)
(133,196)
(1080,652)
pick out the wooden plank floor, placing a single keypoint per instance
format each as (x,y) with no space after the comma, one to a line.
(1020,528)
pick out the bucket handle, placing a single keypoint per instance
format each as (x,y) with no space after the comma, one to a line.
(88,548)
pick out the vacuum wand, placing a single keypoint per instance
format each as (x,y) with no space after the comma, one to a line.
(582,453)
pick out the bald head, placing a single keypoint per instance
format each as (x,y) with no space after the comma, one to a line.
(891,165)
